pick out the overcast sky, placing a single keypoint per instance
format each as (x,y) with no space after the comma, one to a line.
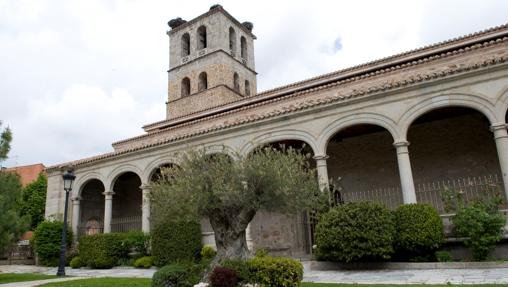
(76,76)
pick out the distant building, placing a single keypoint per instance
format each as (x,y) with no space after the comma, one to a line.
(27,173)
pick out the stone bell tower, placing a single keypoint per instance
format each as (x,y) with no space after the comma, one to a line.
(211,62)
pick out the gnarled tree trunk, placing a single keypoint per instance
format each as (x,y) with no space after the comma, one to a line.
(229,226)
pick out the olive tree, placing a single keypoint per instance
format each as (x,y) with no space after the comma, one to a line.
(229,192)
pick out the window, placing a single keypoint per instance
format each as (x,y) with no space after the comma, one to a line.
(232,41)
(236,82)
(185,45)
(243,48)
(185,87)
(203,82)
(247,88)
(201,37)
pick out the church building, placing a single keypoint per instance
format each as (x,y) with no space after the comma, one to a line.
(398,130)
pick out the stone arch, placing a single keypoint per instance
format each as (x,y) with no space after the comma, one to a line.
(232,41)
(202,37)
(351,120)
(185,45)
(118,171)
(502,104)
(216,148)
(84,179)
(474,102)
(202,82)
(154,165)
(278,136)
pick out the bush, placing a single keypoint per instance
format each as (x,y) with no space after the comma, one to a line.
(176,274)
(173,241)
(144,262)
(47,240)
(102,250)
(419,231)
(275,271)
(444,256)
(208,252)
(223,277)
(482,225)
(137,242)
(241,268)
(356,231)
(76,262)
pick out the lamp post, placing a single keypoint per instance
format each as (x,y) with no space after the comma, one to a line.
(68,179)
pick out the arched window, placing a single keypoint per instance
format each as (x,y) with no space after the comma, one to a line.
(185,87)
(203,82)
(185,45)
(201,37)
(236,82)
(232,41)
(247,88)
(243,47)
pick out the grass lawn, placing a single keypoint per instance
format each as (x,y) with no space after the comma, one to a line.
(395,285)
(103,282)
(145,282)
(19,277)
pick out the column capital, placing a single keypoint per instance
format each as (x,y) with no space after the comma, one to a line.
(498,126)
(145,186)
(320,157)
(109,193)
(76,199)
(401,143)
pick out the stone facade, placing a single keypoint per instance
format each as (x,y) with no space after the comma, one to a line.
(436,113)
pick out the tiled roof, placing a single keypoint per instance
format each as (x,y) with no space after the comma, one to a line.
(427,54)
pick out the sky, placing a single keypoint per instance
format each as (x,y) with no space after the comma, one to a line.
(76,76)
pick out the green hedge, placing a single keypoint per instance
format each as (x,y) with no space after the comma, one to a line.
(356,231)
(47,240)
(184,274)
(175,241)
(144,262)
(275,271)
(102,250)
(419,231)
(482,226)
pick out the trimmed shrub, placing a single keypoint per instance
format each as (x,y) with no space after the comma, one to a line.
(241,268)
(275,271)
(419,231)
(76,262)
(144,262)
(444,256)
(208,252)
(174,241)
(223,277)
(176,274)
(482,225)
(47,239)
(137,242)
(102,250)
(355,231)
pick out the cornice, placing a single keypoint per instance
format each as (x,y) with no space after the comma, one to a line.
(337,98)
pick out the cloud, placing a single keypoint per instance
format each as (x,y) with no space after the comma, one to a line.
(77,75)
(79,122)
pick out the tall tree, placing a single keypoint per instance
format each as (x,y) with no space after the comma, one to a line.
(230,192)
(5,142)
(33,202)
(12,225)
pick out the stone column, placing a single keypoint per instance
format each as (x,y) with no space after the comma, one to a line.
(322,171)
(108,210)
(501,137)
(145,208)
(75,215)
(405,173)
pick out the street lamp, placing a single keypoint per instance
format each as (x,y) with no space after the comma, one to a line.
(68,179)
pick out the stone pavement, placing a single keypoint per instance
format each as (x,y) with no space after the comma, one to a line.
(422,276)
